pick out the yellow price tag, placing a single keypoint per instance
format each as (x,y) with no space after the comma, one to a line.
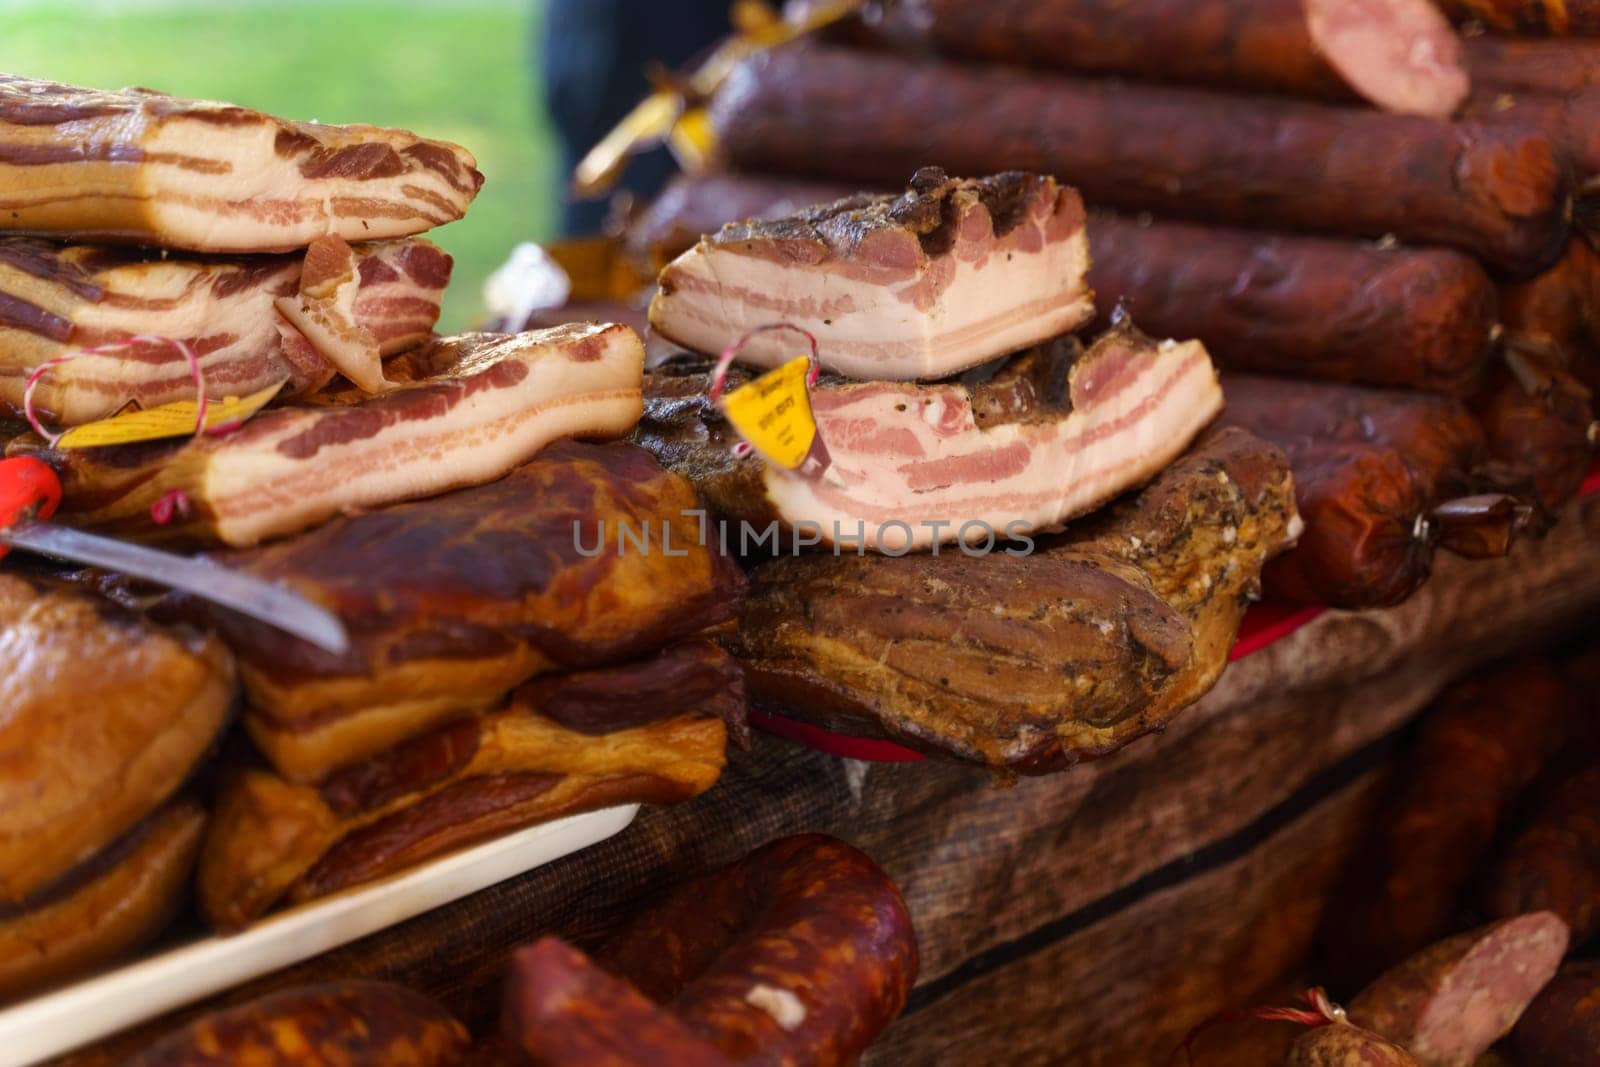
(693,142)
(774,414)
(168,420)
(662,115)
(647,124)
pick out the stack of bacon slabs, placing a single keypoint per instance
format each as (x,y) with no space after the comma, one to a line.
(508,663)
(945,606)
(276,251)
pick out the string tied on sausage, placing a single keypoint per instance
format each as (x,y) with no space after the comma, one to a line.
(1321,1011)
(183,350)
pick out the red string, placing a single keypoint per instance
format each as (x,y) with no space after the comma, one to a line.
(719,373)
(1322,1013)
(171,504)
(184,350)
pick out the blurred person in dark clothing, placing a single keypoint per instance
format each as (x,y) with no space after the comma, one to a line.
(594,55)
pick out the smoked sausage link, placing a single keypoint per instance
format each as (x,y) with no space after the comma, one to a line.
(1307,307)
(1363,545)
(563,1011)
(1369,467)
(1557,68)
(1448,1003)
(1483,741)
(798,954)
(337,1024)
(1561,1028)
(1559,18)
(1496,191)
(1400,54)
(1554,862)
(802,952)
(1559,310)
(1539,425)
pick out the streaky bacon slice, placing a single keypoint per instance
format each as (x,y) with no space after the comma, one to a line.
(58,298)
(401,284)
(141,167)
(465,410)
(324,311)
(948,275)
(1055,433)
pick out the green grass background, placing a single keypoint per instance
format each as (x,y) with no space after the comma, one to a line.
(460,70)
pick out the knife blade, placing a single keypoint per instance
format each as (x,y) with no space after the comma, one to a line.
(29,494)
(244,593)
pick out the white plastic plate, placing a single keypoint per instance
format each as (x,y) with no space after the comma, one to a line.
(75,1015)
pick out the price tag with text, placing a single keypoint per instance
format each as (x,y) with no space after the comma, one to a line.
(773,413)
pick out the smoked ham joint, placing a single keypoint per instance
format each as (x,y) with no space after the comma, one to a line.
(1066,532)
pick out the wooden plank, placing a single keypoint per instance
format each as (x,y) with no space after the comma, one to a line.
(1126,989)
(981,866)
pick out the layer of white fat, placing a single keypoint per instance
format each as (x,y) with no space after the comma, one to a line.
(870,331)
(1296,527)
(784,1007)
(1166,405)
(260,492)
(186,309)
(207,212)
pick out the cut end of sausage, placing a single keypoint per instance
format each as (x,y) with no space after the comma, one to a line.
(1449,1003)
(1497,980)
(1401,55)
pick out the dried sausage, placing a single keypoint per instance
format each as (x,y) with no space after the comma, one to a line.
(1308,307)
(1448,1003)
(1577,18)
(1370,465)
(563,1011)
(803,950)
(1399,54)
(1559,310)
(1539,426)
(1457,787)
(1554,861)
(337,1024)
(1493,190)
(1561,1028)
